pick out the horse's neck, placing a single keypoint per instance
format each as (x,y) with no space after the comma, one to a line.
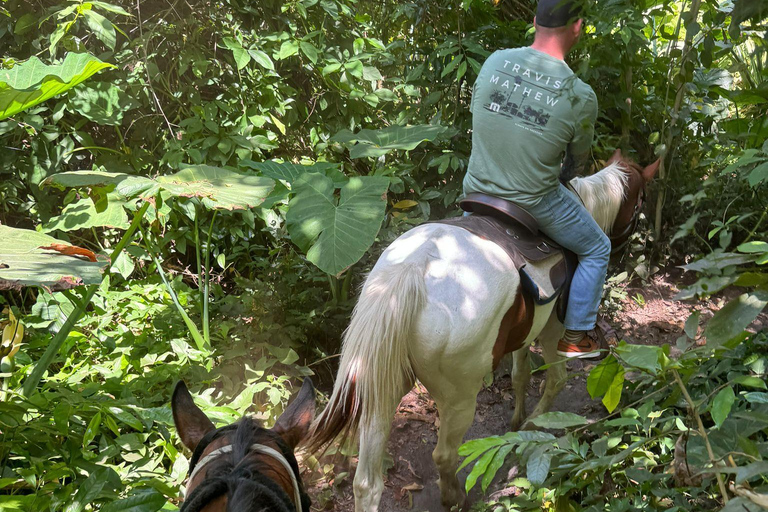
(603,193)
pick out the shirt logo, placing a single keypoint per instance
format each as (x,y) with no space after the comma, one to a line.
(524,94)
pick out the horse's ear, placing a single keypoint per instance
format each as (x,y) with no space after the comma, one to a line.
(650,171)
(191,423)
(293,424)
(615,157)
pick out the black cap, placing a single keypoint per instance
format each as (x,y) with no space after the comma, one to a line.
(557,13)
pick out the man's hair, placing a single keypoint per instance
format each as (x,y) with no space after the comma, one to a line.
(557,13)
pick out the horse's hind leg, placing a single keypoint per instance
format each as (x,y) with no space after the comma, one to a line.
(521,376)
(557,371)
(456,415)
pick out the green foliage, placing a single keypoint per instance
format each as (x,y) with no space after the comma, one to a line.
(638,457)
(26,84)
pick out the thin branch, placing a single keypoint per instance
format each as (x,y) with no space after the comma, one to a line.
(146,69)
(702,433)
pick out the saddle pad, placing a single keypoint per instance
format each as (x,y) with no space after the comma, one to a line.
(543,280)
(520,244)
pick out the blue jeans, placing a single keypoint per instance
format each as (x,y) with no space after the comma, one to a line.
(563,218)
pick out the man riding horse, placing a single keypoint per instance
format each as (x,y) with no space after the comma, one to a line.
(519,157)
(447,299)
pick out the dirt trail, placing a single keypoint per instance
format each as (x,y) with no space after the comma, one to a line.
(410,481)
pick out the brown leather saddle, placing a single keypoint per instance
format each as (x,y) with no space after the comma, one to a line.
(517,232)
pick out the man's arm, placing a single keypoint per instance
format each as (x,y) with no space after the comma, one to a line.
(577,154)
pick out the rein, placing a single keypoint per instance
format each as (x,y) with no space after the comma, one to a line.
(254,448)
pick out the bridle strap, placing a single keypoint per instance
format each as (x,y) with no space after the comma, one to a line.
(257,448)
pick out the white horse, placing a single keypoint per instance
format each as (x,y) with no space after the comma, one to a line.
(432,309)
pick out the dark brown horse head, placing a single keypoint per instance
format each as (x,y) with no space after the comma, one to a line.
(629,212)
(244,466)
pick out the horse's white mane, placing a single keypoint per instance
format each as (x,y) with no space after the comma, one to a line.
(603,193)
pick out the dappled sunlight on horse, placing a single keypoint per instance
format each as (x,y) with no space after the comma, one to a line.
(443,305)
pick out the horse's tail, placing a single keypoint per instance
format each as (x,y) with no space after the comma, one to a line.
(375,369)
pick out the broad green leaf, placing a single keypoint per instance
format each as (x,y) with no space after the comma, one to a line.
(241,55)
(721,405)
(749,471)
(262,59)
(692,324)
(146,501)
(480,445)
(375,143)
(24,24)
(601,376)
(645,357)
(559,420)
(278,123)
(613,395)
(537,467)
(110,7)
(10,502)
(717,261)
(479,468)
(751,279)
(331,68)
(101,27)
(32,82)
(101,102)
(750,381)
(124,184)
(88,490)
(288,171)
(123,265)
(217,187)
(757,397)
(25,261)
(336,233)
(93,429)
(371,73)
(758,175)
(309,50)
(82,214)
(735,316)
(740,504)
(287,49)
(753,247)
(495,465)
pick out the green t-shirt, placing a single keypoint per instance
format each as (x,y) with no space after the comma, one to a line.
(528,110)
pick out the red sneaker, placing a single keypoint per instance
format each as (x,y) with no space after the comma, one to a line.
(587,348)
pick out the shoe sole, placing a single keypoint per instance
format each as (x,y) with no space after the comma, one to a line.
(579,355)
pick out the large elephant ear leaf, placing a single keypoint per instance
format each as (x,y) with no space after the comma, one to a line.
(336,232)
(218,187)
(32,82)
(29,258)
(375,143)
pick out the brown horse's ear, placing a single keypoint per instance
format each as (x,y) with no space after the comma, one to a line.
(191,423)
(615,157)
(650,171)
(293,424)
